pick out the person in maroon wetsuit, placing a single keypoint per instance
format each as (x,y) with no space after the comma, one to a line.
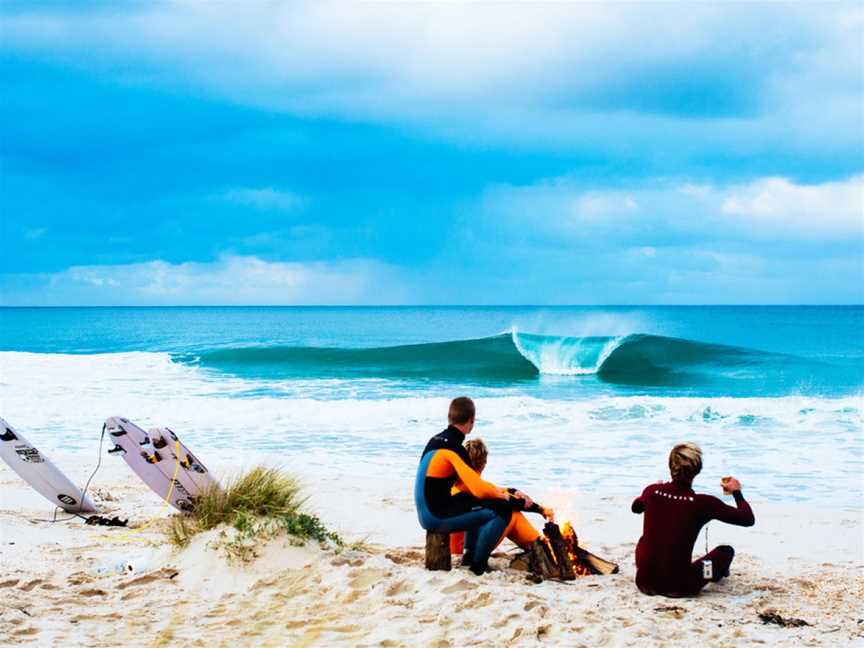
(674,515)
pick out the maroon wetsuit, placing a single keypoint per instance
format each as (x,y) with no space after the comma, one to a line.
(674,515)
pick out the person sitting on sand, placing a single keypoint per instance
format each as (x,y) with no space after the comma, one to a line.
(520,531)
(674,515)
(484,509)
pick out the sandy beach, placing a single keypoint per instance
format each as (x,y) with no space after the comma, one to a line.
(61,583)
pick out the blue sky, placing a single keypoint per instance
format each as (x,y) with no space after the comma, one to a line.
(282,153)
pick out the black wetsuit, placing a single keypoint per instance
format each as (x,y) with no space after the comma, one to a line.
(438,510)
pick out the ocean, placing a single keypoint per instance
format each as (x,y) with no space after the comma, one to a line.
(585,399)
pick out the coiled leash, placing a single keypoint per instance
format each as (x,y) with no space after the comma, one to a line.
(92,519)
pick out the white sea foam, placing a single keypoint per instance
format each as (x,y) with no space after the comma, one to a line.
(778,446)
(565,356)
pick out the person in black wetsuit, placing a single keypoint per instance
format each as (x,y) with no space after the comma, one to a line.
(674,515)
(484,512)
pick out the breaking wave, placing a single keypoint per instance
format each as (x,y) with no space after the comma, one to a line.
(631,360)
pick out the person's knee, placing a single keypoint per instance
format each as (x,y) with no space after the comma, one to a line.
(727,550)
(722,562)
(501,508)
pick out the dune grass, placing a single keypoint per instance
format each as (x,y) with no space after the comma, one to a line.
(255,506)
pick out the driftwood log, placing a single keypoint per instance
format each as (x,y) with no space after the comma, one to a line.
(541,560)
(596,564)
(438,551)
(559,550)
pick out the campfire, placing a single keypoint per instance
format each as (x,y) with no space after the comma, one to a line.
(557,555)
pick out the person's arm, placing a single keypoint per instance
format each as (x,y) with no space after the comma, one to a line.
(638,505)
(523,502)
(740,515)
(478,487)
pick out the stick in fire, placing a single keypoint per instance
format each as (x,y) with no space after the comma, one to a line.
(558,555)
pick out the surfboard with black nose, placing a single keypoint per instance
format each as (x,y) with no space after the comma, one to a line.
(38,471)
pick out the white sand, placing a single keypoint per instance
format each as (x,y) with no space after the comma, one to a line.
(801,562)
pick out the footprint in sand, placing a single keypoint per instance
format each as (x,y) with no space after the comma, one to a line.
(92,592)
(26,632)
(9,583)
(405,557)
(29,586)
(148,578)
(481,600)
(459,586)
(363,578)
(540,609)
(78,578)
(399,587)
(503,621)
(78,618)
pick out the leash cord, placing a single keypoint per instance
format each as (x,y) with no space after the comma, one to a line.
(95,470)
(77,514)
(166,501)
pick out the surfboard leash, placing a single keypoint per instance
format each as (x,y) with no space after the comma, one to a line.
(165,501)
(98,518)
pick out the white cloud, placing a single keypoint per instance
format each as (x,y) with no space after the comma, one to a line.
(766,208)
(538,73)
(231,280)
(265,199)
(832,209)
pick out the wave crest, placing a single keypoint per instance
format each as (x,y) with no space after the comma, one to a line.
(565,356)
(635,360)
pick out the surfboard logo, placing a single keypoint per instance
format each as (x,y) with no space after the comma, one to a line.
(29,455)
(181,488)
(66,499)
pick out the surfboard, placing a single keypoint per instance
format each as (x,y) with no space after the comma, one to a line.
(154,461)
(38,471)
(192,473)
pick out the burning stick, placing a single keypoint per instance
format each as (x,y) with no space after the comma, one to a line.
(558,555)
(587,562)
(559,550)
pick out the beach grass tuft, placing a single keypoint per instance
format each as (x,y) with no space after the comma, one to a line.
(256,506)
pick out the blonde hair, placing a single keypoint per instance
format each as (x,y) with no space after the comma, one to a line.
(478,453)
(685,461)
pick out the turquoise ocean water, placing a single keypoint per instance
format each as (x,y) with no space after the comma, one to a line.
(590,397)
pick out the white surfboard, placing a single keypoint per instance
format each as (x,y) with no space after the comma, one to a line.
(191,473)
(38,471)
(156,466)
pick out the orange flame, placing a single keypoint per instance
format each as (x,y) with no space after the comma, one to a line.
(571,544)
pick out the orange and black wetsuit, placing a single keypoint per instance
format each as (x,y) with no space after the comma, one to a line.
(484,511)
(674,515)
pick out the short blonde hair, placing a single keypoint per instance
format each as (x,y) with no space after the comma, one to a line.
(478,453)
(685,461)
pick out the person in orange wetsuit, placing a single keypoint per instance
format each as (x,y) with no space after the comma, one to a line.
(483,510)
(520,531)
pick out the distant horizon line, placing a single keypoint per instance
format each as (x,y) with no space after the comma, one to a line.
(342,306)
